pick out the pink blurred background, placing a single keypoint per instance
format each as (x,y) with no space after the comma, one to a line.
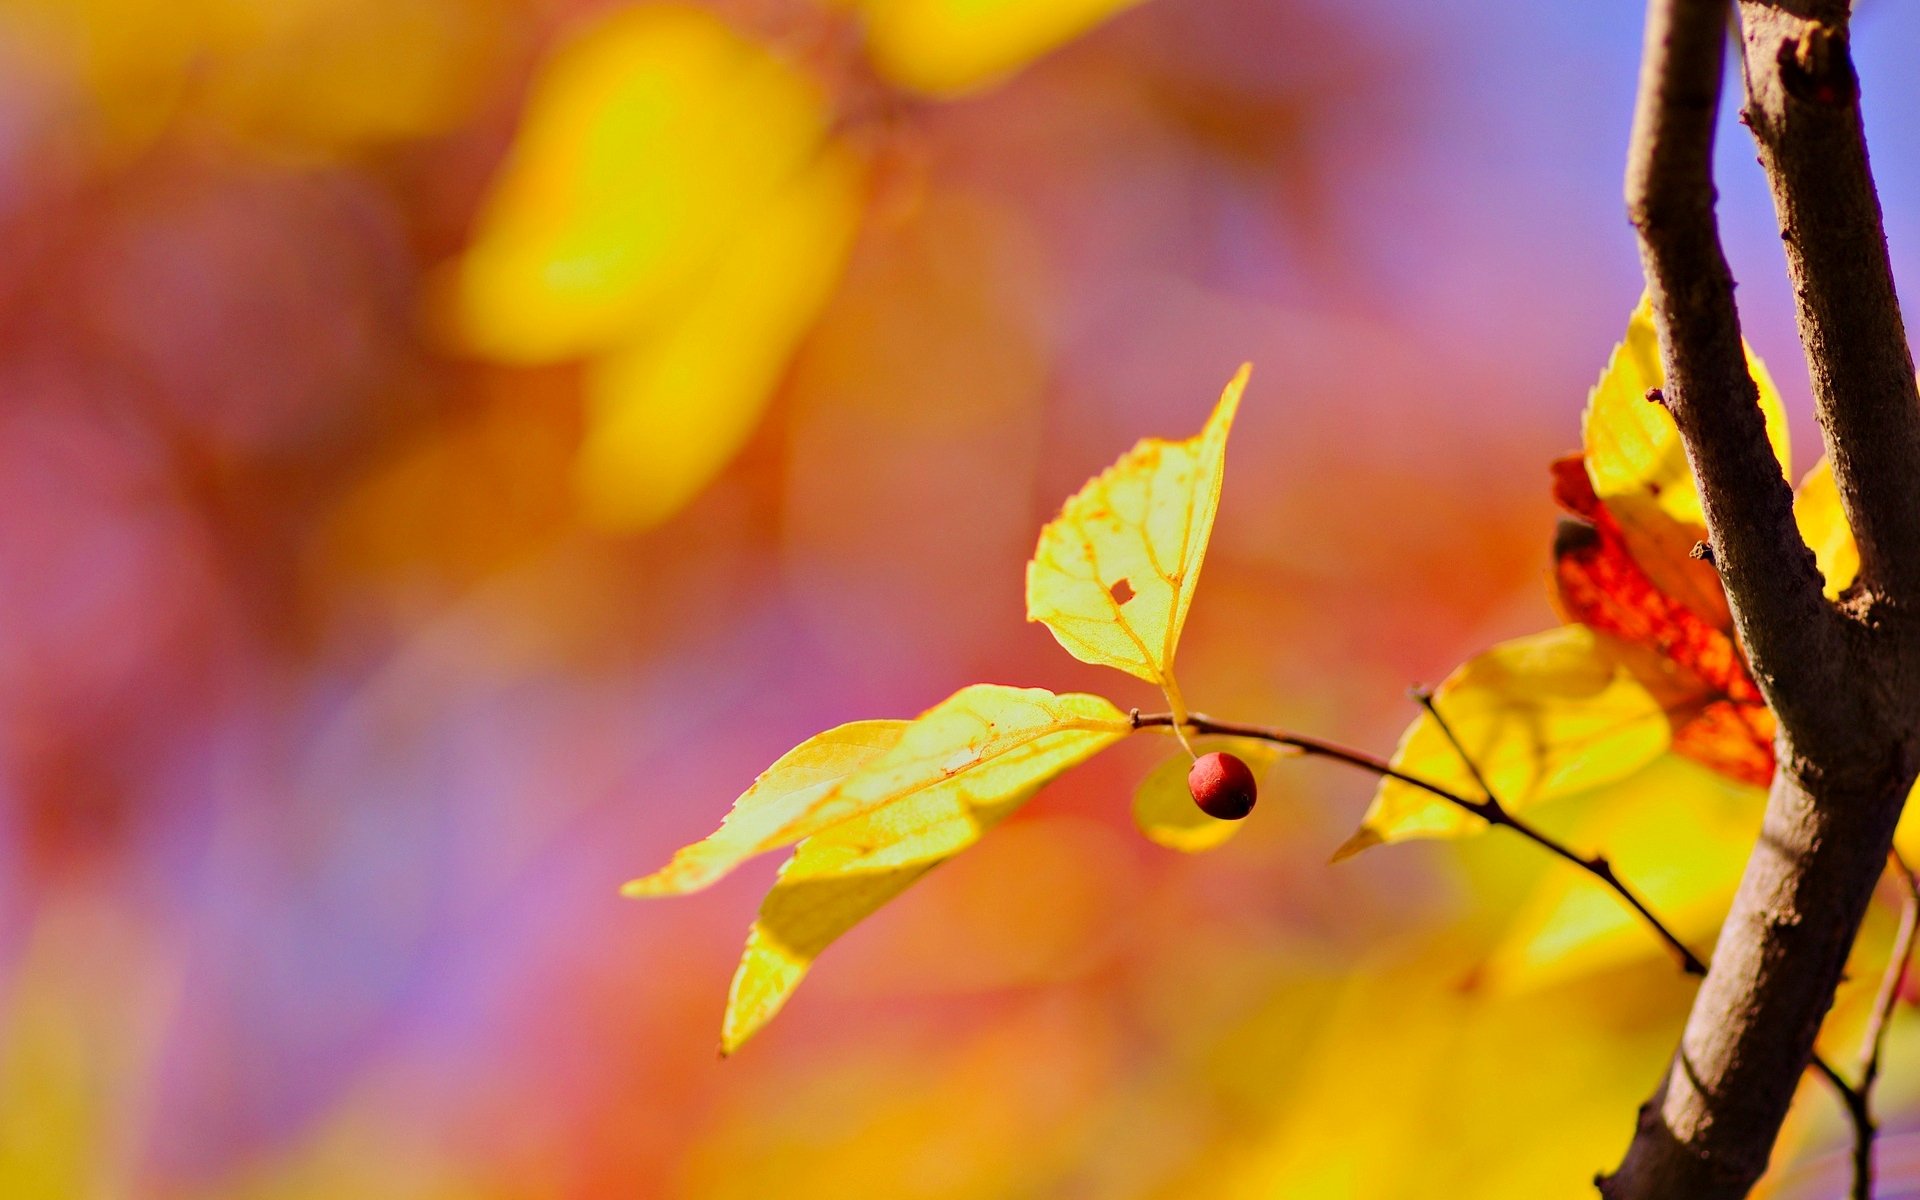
(329,726)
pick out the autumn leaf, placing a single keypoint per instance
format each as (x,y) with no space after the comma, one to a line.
(1691,664)
(1638,469)
(837,879)
(791,799)
(675,213)
(1164,809)
(1114,573)
(1545,716)
(669,409)
(649,139)
(1633,448)
(1683,858)
(874,806)
(942,47)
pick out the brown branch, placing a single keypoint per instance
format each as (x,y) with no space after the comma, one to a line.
(1844,690)
(1802,105)
(1772,583)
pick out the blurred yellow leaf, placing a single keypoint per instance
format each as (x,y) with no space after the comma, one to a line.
(977,1110)
(1411,1085)
(956,770)
(1164,810)
(837,879)
(1816,507)
(948,46)
(340,72)
(649,141)
(307,76)
(1544,716)
(88,999)
(669,410)
(1683,857)
(1114,573)
(791,799)
(1633,448)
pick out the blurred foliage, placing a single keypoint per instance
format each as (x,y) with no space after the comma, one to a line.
(386,566)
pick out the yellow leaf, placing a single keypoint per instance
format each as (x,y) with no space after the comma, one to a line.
(1638,465)
(1164,810)
(648,141)
(837,879)
(1543,717)
(1679,832)
(670,409)
(1816,507)
(956,771)
(1405,1083)
(303,77)
(1114,573)
(1633,448)
(790,799)
(948,46)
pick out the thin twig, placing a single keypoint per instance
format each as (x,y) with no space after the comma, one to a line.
(1859,1098)
(1493,812)
(1860,1112)
(1899,959)
(1489,810)
(1424,698)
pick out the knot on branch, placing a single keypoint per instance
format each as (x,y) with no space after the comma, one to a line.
(1817,67)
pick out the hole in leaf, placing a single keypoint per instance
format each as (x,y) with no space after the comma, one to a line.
(1121,591)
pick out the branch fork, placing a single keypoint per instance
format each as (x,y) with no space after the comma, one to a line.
(1844,680)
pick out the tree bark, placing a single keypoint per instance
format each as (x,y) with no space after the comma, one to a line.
(1842,679)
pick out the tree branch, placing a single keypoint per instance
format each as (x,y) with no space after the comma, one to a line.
(1842,689)
(1802,105)
(1772,583)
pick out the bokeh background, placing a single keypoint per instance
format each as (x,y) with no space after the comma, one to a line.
(448,447)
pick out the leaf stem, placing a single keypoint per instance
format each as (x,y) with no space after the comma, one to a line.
(1178,718)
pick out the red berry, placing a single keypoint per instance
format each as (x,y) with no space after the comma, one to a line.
(1222,786)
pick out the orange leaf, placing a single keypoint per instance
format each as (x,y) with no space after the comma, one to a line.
(1687,659)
